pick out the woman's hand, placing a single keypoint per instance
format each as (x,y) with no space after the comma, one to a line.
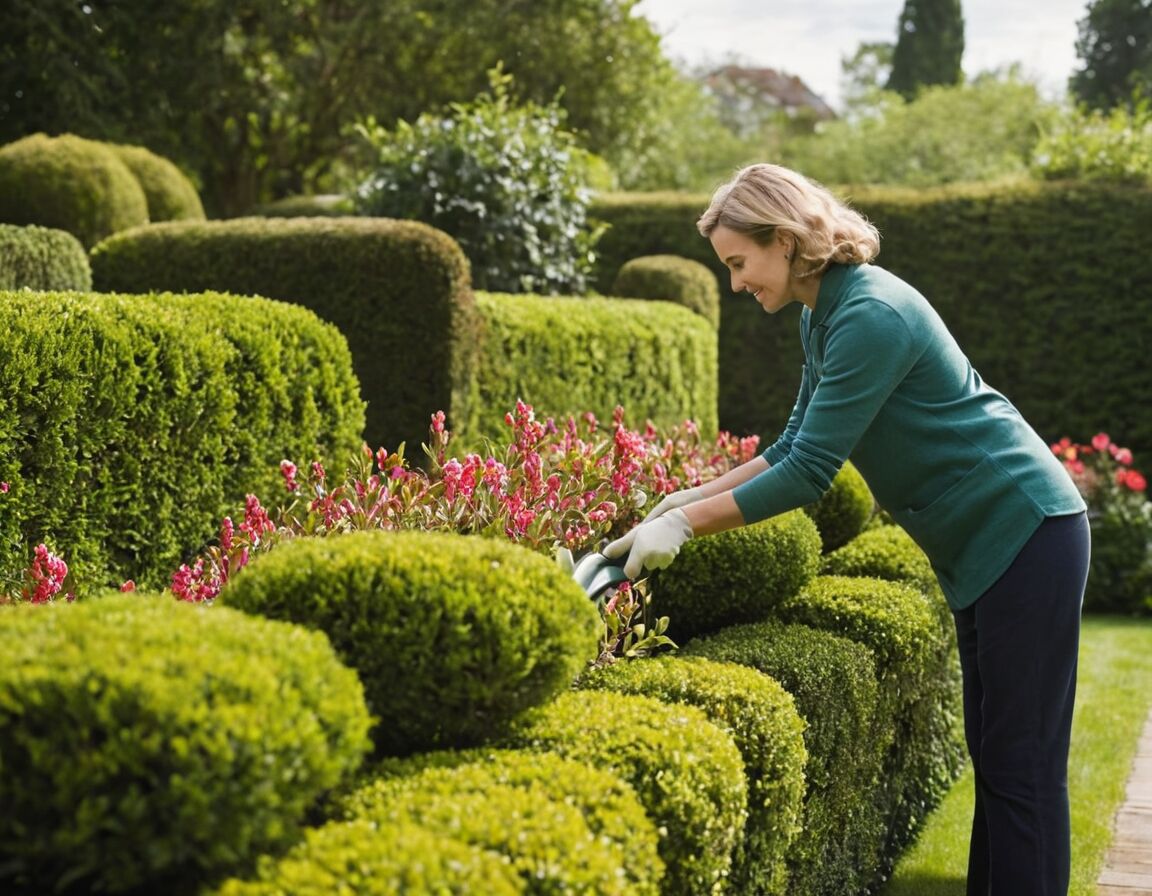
(673,501)
(652,545)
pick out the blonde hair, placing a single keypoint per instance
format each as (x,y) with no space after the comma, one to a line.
(763,200)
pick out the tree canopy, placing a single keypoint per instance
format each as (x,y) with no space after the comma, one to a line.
(929,46)
(1115,48)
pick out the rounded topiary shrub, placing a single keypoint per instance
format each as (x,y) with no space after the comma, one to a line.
(885,552)
(687,773)
(761,717)
(833,682)
(673,278)
(370,859)
(565,826)
(736,576)
(843,511)
(171,195)
(453,635)
(149,745)
(69,183)
(42,258)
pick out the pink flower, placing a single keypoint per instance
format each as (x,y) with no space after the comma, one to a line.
(3,488)
(226,532)
(46,576)
(1101,441)
(438,422)
(1132,479)
(288,471)
(1123,456)
(128,586)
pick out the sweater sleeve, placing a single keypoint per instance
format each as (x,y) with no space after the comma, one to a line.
(777,451)
(867,352)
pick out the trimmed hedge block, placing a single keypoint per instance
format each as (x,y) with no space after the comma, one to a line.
(885,552)
(398,291)
(170,194)
(151,744)
(71,184)
(673,278)
(688,774)
(736,576)
(566,355)
(42,258)
(762,720)
(833,682)
(453,635)
(842,512)
(130,425)
(565,826)
(368,859)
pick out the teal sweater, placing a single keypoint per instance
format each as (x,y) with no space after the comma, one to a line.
(954,463)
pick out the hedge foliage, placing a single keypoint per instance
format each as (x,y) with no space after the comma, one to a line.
(150,745)
(564,825)
(130,425)
(762,720)
(736,576)
(1038,244)
(397,290)
(687,773)
(672,278)
(566,355)
(42,258)
(918,690)
(453,636)
(843,511)
(170,194)
(884,552)
(833,683)
(69,183)
(368,859)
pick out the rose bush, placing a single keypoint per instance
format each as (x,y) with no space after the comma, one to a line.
(1120,515)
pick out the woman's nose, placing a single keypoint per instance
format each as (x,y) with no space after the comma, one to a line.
(737,283)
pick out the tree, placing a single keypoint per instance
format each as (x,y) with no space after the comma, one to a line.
(863,75)
(1115,47)
(929,46)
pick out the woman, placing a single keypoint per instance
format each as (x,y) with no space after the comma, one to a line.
(953,462)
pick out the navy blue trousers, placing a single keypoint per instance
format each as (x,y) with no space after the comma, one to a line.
(1018,646)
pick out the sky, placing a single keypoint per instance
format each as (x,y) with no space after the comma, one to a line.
(808,38)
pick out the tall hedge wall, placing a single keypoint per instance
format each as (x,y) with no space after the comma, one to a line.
(568,355)
(398,290)
(1047,287)
(130,425)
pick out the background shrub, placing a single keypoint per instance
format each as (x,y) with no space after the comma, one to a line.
(564,825)
(687,773)
(370,859)
(508,182)
(69,183)
(566,356)
(453,636)
(1090,144)
(170,194)
(42,258)
(130,425)
(833,682)
(397,290)
(672,278)
(736,576)
(150,744)
(762,720)
(844,509)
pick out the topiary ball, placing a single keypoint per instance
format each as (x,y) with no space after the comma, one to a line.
(566,826)
(885,552)
(42,258)
(843,511)
(71,184)
(148,745)
(736,576)
(674,279)
(369,859)
(453,635)
(170,194)
(761,717)
(687,773)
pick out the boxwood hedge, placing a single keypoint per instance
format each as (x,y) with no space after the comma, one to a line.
(42,258)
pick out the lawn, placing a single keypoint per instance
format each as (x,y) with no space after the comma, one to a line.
(1113,701)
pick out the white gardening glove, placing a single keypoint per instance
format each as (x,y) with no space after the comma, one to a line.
(651,545)
(674,500)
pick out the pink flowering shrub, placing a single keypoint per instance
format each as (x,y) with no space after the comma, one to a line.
(555,488)
(1120,515)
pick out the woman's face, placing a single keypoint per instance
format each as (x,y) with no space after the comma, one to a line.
(764,271)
